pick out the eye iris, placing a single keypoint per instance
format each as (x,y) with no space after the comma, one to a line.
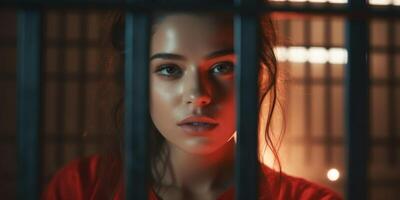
(222,68)
(170,70)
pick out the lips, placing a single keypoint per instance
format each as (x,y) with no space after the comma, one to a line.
(195,124)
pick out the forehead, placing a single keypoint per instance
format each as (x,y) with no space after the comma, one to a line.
(184,33)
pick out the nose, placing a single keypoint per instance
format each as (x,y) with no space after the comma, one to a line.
(197,92)
(199,100)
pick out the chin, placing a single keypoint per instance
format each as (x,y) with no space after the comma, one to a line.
(201,147)
(200,151)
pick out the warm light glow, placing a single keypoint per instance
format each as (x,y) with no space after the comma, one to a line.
(281,53)
(337,56)
(333,174)
(315,55)
(314,1)
(379,2)
(318,1)
(396,2)
(337,1)
(297,54)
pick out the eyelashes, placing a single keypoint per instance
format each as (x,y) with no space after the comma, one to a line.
(225,67)
(171,70)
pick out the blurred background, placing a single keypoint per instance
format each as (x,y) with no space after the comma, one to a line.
(78,92)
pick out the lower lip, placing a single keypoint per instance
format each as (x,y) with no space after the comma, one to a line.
(197,129)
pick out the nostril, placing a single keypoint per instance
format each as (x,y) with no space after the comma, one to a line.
(204,100)
(200,101)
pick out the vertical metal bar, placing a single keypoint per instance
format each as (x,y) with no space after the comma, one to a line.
(137,39)
(28,83)
(247,109)
(307,96)
(357,103)
(328,95)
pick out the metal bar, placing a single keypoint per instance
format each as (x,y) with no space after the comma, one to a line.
(328,95)
(246,34)
(28,119)
(136,162)
(313,9)
(307,96)
(357,104)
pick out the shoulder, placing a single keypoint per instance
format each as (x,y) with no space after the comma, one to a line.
(283,186)
(74,181)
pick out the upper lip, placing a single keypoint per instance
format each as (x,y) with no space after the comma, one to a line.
(199,118)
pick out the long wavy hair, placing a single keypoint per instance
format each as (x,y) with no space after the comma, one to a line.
(269,103)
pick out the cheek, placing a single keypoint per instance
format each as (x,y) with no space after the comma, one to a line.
(227,105)
(164,101)
(225,93)
(229,112)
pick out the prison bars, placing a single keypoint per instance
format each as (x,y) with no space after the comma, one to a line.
(29,93)
(356,104)
(247,45)
(136,117)
(136,162)
(139,6)
(28,103)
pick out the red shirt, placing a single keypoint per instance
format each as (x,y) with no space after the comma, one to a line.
(77,181)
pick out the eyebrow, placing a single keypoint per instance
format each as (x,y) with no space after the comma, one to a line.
(169,56)
(172,56)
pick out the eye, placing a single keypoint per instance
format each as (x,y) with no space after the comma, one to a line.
(169,70)
(222,68)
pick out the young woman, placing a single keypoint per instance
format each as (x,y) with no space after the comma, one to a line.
(193,115)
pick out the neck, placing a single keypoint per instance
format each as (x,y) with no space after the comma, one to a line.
(200,172)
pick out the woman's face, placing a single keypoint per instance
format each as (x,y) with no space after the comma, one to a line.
(192,81)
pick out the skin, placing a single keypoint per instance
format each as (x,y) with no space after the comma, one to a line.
(191,73)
